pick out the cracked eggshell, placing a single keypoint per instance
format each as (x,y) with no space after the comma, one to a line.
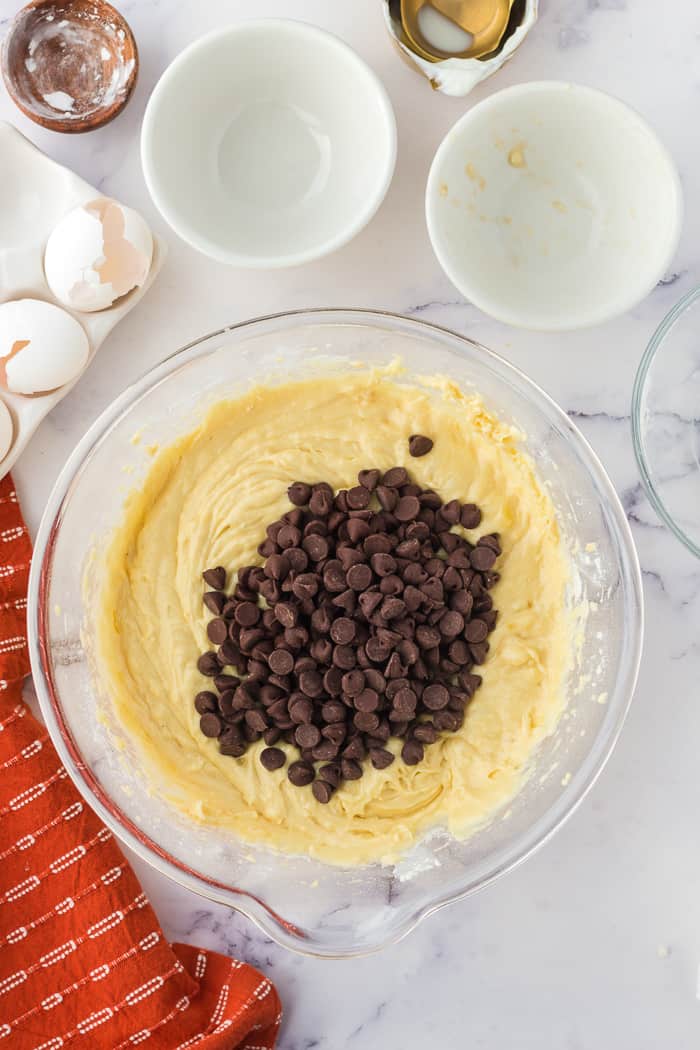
(98,253)
(41,347)
(458,76)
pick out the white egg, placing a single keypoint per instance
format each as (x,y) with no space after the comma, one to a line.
(97,253)
(41,347)
(6,430)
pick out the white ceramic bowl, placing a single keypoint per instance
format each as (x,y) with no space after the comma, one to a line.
(553,206)
(268,143)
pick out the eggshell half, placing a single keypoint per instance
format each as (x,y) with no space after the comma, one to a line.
(41,347)
(96,254)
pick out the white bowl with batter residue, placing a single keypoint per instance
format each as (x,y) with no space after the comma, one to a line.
(553,206)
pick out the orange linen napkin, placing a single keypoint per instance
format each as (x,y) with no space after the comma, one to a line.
(83,960)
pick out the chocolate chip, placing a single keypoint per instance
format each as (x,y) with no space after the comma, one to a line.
(369,602)
(451,511)
(307,735)
(412,752)
(353,683)
(332,681)
(470,516)
(451,624)
(288,536)
(426,733)
(491,540)
(419,445)
(476,631)
(256,720)
(354,751)
(208,665)
(343,630)
(315,546)
(321,503)
(334,576)
(388,497)
(415,575)
(247,614)
(392,608)
(330,773)
(224,682)
(210,724)
(395,477)
(367,700)
(272,758)
(435,697)
(322,650)
(322,791)
(216,578)
(407,508)
(205,702)
(482,558)
(226,706)
(380,757)
(215,602)
(333,711)
(301,710)
(217,630)
(350,769)
(348,556)
(299,494)
(394,668)
(311,683)
(427,637)
(479,651)
(359,577)
(462,602)
(447,721)
(357,529)
(281,661)
(375,680)
(369,479)
(383,564)
(286,613)
(404,702)
(301,773)
(277,567)
(344,657)
(335,733)
(358,497)
(459,652)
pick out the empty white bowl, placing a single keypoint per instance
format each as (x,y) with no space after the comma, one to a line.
(553,206)
(268,143)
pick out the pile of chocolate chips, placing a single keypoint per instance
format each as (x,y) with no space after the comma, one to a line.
(364,623)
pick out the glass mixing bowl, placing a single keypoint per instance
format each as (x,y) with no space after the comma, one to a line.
(305,904)
(666,420)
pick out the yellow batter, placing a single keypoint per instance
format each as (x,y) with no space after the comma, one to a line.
(206,501)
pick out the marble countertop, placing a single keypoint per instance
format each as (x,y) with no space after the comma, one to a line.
(594,942)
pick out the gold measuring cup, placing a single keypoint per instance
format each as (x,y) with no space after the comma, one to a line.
(484,20)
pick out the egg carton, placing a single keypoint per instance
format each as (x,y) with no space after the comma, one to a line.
(36,193)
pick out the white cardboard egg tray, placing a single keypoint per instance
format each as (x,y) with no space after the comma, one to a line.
(35,193)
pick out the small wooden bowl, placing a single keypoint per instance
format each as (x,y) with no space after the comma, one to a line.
(70,65)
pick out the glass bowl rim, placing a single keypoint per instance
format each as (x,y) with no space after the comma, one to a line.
(654,346)
(272,924)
